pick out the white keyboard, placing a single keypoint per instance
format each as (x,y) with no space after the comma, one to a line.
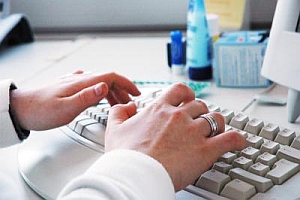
(267,169)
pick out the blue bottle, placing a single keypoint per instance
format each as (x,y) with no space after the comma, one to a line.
(199,44)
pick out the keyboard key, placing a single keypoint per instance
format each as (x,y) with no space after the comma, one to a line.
(242,162)
(91,110)
(269,131)
(228,115)
(261,184)
(250,153)
(94,132)
(73,124)
(222,167)
(228,157)
(270,147)
(289,153)
(267,159)
(101,118)
(285,137)
(82,123)
(254,126)
(254,141)
(213,181)
(214,108)
(239,121)
(204,193)
(228,128)
(243,133)
(238,190)
(296,143)
(259,169)
(282,170)
(103,108)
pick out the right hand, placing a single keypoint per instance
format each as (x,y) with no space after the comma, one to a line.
(170,131)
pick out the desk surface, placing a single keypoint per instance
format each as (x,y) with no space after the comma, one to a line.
(138,58)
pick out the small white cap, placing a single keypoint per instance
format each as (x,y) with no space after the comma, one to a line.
(177,69)
(213,24)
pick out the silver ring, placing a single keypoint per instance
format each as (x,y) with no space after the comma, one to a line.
(213,124)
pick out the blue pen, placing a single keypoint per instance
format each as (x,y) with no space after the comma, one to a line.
(176,52)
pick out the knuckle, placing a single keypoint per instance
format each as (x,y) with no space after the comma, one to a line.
(181,86)
(83,98)
(203,106)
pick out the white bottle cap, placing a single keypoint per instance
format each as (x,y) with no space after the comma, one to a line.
(177,69)
(213,24)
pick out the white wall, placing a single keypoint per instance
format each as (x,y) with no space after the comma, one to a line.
(101,13)
(118,14)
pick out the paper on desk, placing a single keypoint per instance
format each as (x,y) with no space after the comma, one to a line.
(231,12)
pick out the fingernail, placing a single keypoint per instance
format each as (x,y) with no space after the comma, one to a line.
(98,89)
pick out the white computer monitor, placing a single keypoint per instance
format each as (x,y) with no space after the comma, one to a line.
(4,8)
(282,59)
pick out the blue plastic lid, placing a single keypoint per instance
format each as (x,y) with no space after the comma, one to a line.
(176,47)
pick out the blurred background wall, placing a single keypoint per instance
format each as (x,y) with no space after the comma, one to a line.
(121,15)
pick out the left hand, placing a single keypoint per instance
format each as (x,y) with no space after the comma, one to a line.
(57,104)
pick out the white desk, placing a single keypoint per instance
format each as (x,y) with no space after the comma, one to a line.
(139,58)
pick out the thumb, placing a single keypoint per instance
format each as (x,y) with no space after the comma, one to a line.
(89,96)
(120,113)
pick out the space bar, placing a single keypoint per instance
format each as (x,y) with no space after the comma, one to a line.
(203,193)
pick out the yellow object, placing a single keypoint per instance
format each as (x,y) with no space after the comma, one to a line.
(231,12)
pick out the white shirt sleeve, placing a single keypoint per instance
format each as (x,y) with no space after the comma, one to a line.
(8,135)
(122,174)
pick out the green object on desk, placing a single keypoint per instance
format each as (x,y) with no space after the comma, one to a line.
(197,87)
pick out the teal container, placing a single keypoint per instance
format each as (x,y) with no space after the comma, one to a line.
(199,42)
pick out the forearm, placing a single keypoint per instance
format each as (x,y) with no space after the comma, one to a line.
(123,174)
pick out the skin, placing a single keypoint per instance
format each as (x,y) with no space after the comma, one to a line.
(172,133)
(170,129)
(59,103)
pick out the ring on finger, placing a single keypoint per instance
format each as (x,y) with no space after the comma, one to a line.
(213,124)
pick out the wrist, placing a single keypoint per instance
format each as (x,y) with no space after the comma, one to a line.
(21,132)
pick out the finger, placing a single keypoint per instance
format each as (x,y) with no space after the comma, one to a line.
(88,96)
(120,113)
(225,142)
(205,125)
(114,80)
(177,94)
(121,95)
(87,79)
(195,108)
(112,100)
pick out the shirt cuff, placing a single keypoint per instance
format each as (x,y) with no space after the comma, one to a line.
(143,174)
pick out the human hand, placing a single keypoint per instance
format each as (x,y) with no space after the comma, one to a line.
(57,104)
(171,131)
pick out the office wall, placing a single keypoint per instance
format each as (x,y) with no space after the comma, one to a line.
(93,15)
